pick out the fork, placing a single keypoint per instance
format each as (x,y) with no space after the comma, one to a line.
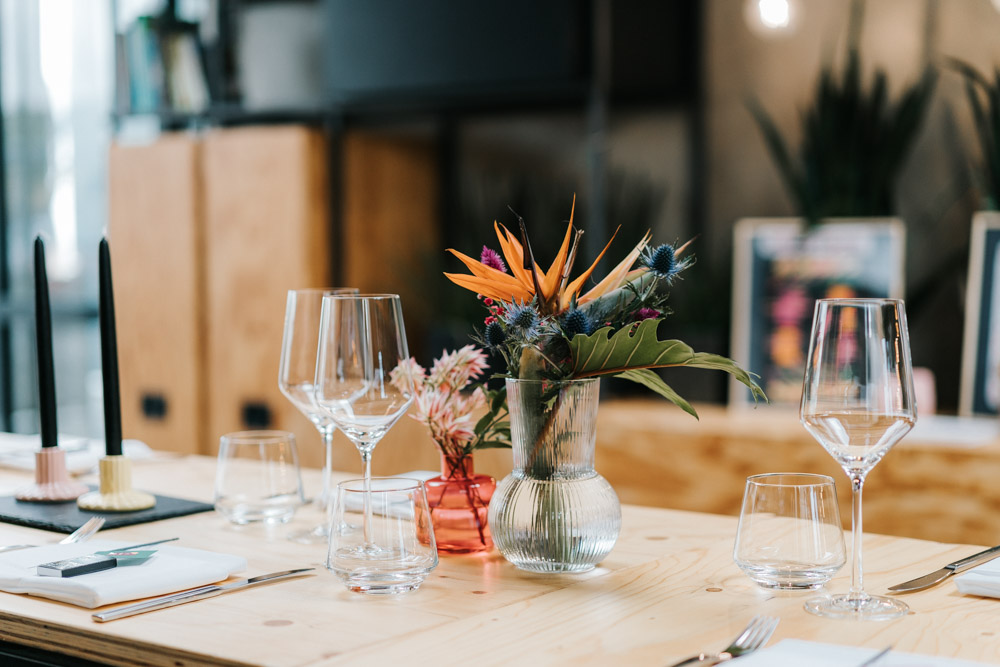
(755,635)
(81,534)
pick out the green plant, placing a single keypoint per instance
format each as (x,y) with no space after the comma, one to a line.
(854,141)
(984,100)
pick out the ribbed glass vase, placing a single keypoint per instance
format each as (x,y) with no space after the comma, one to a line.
(554,513)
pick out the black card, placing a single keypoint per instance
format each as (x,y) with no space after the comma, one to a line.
(67,517)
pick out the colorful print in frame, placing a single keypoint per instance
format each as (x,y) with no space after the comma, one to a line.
(781,268)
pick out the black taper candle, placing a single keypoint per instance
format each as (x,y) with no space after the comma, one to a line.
(43,343)
(109,356)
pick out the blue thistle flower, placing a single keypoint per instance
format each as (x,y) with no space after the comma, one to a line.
(524,320)
(663,261)
(575,321)
(495,336)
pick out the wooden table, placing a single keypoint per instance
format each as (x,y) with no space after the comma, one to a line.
(668,589)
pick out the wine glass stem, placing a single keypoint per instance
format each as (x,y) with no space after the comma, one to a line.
(324,497)
(366,459)
(857,573)
(327,434)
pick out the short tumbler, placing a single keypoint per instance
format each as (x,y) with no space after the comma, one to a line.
(391,551)
(257,478)
(789,534)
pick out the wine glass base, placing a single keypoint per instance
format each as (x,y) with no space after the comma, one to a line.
(316,535)
(866,607)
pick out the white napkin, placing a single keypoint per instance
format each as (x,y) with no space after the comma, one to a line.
(981,580)
(355,502)
(170,569)
(796,653)
(82,454)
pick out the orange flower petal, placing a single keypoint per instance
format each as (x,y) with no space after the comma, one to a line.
(575,286)
(617,275)
(514,255)
(552,277)
(488,288)
(480,270)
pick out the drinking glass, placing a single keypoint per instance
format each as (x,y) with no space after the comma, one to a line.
(296,379)
(789,535)
(396,551)
(257,477)
(858,401)
(361,339)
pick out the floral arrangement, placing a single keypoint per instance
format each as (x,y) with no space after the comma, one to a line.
(444,405)
(548,328)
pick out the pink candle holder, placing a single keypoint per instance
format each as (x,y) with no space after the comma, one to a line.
(52,481)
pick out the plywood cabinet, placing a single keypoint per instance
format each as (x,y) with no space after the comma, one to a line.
(156,245)
(210,231)
(266,231)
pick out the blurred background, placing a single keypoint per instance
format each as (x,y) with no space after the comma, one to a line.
(233,149)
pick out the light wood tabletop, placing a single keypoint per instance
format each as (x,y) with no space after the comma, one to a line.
(669,589)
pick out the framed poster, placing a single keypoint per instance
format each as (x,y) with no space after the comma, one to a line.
(980,388)
(779,271)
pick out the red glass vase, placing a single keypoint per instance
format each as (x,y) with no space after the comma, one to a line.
(459,501)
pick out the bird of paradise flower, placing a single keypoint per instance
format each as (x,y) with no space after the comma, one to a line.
(552,289)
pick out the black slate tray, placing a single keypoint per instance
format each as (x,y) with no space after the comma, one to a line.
(67,517)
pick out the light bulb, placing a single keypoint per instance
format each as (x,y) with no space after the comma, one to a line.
(771,18)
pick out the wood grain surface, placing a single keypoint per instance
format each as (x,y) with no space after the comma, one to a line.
(266,232)
(668,589)
(154,231)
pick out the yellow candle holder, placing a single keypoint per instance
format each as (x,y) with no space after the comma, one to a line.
(116,493)
(52,481)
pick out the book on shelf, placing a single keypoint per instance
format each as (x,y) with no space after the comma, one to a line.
(160,68)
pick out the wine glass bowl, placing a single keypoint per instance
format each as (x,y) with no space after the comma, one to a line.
(857,402)
(361,340)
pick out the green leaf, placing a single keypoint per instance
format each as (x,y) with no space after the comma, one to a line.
(648,378)
(493,444)
(483,422)
(497,398)
(602,353)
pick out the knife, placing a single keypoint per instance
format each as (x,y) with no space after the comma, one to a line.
(929,580)
(201,593)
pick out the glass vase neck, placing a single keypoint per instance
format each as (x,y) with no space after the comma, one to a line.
(457,466)
(554,427)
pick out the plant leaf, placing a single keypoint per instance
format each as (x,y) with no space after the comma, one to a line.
(493,444)
(602,353)
(651,380)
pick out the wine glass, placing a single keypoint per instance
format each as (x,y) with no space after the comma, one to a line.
(858,401)
(361,339)
(296,376)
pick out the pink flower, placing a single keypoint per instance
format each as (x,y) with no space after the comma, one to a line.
(408,376)
(439,402)
(457,369)
(492,259)
(646,314)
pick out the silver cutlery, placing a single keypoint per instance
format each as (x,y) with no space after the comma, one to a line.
(928,580)
(201,593)
(875,658)
(754,636)
(81,534)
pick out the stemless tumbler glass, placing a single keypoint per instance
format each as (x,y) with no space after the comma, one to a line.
(789,534)
(257,477)
(397,551)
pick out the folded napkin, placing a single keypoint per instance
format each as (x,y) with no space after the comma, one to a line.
(171,569)
(82,454)
(796,653)
(355,501)
(981,580)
